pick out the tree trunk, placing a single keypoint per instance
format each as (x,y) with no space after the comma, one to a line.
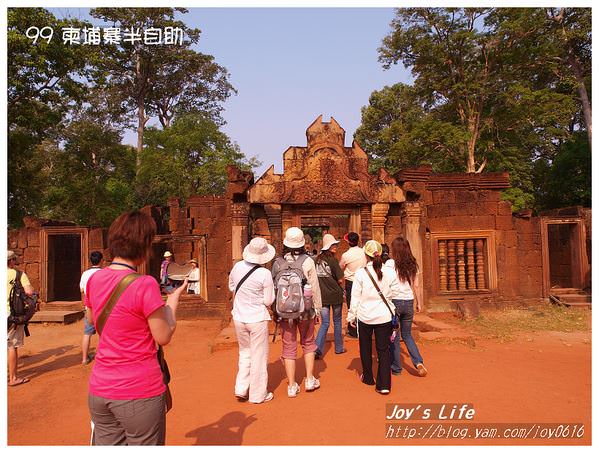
(473,128)
(141,114)
(141,121)
(584,96)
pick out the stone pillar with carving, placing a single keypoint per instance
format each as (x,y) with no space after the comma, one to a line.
(443,265)
(366,223)
(411,215)
(289,218)
(470,264)
(355,220)
(461,265)
(239,229)
(275,223)
(379,219)
(451,269)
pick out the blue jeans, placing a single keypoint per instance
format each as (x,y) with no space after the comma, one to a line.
(405,311)
(324,328)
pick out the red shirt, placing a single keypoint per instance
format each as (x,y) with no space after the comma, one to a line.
(126,366)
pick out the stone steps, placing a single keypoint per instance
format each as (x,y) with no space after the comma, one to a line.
(62,306)
(58,316)
(572,299)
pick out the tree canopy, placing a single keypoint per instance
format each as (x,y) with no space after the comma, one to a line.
(493,90)
(70,105)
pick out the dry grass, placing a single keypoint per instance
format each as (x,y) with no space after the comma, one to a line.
(503,324)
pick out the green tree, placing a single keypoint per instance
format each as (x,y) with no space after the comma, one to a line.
(565,181)
(189,157)
(479,101)
(88,174)
(146,80)
(559,39)
(46,82)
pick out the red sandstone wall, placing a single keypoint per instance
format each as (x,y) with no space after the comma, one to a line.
(530,265)
(208,216)
(517,241)
(25,243)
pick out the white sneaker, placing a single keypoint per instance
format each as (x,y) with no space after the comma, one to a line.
(312,384)
(269,396)
(293,390)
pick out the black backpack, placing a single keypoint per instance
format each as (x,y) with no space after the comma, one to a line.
(22,306)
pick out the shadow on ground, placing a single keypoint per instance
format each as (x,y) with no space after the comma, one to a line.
(228,430)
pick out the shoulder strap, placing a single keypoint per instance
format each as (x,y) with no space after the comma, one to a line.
(18,278)
(112,300)
(245,277)
(281,264)
(298,262)
(379,291)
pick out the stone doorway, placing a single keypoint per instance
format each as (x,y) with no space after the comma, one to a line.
(317,225)
(64,257)
(565,265)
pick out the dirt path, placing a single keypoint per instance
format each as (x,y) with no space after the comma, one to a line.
(538,378)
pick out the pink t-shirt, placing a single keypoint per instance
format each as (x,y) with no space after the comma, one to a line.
(126,366)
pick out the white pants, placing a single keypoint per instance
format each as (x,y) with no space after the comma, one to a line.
(253,360)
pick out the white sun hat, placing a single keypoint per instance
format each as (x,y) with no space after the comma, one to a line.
(294,238)
(327,241)
(258,251)
(167,254)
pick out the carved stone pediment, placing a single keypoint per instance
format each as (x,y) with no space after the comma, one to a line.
(325,171)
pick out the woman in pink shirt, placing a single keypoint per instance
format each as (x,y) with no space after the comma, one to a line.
(126,389)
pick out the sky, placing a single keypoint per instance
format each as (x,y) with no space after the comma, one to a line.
(289,65)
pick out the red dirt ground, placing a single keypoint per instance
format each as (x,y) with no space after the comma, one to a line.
(538,378)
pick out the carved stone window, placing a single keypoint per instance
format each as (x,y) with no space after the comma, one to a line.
(464,261)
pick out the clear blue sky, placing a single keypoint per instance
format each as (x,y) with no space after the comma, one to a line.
(290,65)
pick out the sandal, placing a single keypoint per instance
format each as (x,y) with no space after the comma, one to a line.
(18,382)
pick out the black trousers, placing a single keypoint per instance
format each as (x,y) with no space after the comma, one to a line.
(351,331)
(382,334)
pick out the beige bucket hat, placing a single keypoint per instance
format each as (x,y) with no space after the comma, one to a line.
(167,254)
(327,241)
(11,255)
(294,238)
(258,251)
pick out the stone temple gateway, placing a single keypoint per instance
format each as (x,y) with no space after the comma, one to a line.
(471,249)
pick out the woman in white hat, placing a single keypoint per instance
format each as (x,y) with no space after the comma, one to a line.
(168,256)
(253,292)
(330,279)
(294,254)
(194,277)
(373,313)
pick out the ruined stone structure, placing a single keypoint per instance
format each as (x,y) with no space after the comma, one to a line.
(471,249)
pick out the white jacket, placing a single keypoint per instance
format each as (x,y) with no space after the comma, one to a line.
(255,295)
(366,303)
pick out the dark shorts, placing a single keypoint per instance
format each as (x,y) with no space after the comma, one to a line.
(88,329)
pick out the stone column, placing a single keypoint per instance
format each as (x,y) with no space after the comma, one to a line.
(239,229)
(366,224)
(289,218)
(379,219)
(410,221)
(274,217)
(354,220)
